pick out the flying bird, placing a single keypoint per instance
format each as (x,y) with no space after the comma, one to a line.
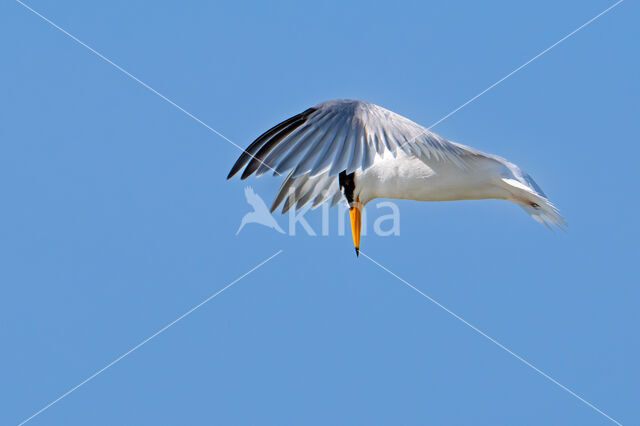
(358,151)
(260,213)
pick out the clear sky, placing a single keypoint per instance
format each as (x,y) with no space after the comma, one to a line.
(116,217)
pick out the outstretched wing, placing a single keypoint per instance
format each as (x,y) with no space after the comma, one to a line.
(336,136)
(314,146)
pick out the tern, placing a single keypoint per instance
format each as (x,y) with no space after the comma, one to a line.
(358,151)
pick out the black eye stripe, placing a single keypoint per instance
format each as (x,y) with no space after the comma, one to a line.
(347,185)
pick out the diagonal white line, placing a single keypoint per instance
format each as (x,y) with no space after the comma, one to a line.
(136,347)
(516,70)
(252,156)
(491,339)
(136,79)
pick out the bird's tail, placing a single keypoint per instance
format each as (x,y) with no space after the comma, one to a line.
(543,211)
(531,198)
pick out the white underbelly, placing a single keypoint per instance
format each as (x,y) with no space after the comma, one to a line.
(408,177)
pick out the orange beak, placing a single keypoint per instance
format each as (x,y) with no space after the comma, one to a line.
(356,222)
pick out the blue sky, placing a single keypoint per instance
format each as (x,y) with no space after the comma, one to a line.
(117,217)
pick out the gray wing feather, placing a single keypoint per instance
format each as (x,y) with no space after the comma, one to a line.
(326,158)
(323,144)
(337,136)
(358,145)
(341,160)
(302,145)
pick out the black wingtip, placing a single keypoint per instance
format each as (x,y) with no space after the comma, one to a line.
(255,154)
(237,166)
(357,252)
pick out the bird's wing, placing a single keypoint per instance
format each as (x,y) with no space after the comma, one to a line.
(336,136)
(298,191)
(314,146)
